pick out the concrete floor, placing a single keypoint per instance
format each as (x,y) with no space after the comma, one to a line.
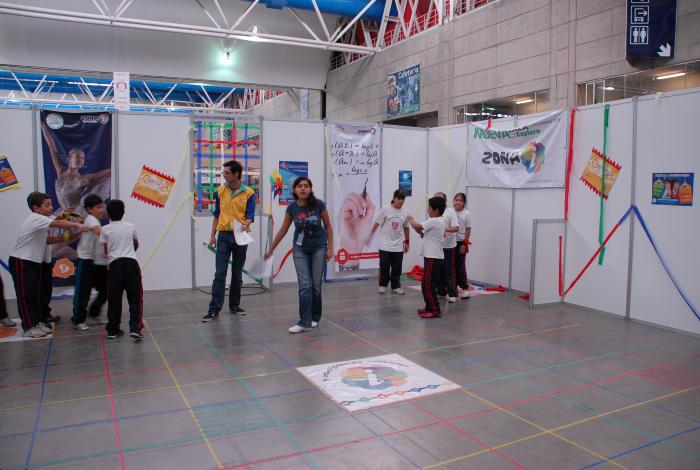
(554,388)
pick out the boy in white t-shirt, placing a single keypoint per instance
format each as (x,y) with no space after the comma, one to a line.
(393,242)
(120,243)
(464,218)
(449,244)
(432,231)
(27,260)
(88,273)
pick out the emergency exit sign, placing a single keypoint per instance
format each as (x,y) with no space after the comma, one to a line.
(651,29)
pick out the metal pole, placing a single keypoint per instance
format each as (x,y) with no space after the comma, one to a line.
(533,260)
(193,258)
(115,151)
(630,255)
(512,223)
(35,152)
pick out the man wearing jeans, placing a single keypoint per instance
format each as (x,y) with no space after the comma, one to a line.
(235,210)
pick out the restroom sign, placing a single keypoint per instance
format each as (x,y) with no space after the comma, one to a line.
(651,29)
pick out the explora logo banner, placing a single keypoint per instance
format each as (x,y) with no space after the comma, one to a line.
(529,156)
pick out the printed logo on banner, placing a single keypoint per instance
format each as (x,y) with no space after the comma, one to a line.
(374,378)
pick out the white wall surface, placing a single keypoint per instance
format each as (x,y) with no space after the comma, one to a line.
(666,143)
(16,144)
(546,262)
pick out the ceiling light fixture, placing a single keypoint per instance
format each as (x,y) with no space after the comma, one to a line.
(670,75)
(608,88)
(524,101)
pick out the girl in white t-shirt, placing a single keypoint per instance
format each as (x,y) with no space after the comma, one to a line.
(393,242)
(464,219)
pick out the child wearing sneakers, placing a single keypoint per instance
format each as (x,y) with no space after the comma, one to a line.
(449,244)
(464,218)
(393,242)
(27,264)
(120,243)
(432,231)
(89,273)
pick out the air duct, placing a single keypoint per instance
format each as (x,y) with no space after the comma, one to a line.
(349,8)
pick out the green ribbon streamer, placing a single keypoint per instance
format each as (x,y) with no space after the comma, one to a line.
(601,222)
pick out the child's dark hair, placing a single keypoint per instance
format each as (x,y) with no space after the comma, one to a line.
(115,209)
(441,194)
(91,200)
(461,195)
(234,167)
(36,199)
(437,203)
(399,194)
(311,203)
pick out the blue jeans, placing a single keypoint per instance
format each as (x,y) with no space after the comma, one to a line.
(309,265)
(226,247)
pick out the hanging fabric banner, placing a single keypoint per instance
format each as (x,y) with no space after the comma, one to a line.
(354,157)
(529,156)
(77,155)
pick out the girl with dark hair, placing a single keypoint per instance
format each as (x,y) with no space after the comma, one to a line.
(312,245)
(393,242)
(464,219)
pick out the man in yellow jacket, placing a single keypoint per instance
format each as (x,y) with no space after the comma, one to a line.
(235,206)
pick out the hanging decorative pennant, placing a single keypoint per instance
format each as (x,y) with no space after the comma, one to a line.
(8,179)
(591,175)
(153,187)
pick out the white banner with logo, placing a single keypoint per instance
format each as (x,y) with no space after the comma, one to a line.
(528,156)
(359,384)
(354,157)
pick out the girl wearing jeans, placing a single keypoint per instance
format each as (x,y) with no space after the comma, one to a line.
(313,239)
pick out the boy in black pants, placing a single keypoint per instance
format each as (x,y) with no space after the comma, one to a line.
(120,244)
(90,272)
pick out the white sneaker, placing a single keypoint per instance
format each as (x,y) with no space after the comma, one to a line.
(452,299)
(314,324)
(382,290)
(44,327)
(81,327)
(6,322)
(34,333)
(465,294)
(398,291)
(298,329)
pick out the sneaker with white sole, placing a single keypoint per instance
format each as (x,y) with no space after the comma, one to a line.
(382,290)
(298,329)
(44,327)
(209,317)
(34,333)
(452,299)
(137,335)
(81,327)
(6,322)
(465,294)
(398,291)
(314,324)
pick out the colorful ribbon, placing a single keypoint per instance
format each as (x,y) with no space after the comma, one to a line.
(601,222)
(569,163)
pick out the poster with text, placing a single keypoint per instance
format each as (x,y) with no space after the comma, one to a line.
(672,189)
(403,92)
(77,156)
(355,154)
(529,156)
(291,171)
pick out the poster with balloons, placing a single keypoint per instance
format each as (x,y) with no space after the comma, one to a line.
(527,156)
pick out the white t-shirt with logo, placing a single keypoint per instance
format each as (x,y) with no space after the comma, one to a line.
(450,218)
(391,221)
(86,244)
(31,239)
(119,237)
(433,233)
(464,218)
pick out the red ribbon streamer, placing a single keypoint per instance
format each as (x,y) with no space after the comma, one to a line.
(282,263)
(569,161)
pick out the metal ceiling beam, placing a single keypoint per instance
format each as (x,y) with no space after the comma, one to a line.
(151,25)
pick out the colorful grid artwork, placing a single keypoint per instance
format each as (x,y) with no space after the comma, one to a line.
(215,142)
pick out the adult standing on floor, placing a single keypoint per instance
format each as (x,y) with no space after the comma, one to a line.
(312,245)
(234,211)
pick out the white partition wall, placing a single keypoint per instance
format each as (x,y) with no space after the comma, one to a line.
(667,133)
(544,284)
(16,144)
(406,149)
(291,141)
(602,287)
(163,143)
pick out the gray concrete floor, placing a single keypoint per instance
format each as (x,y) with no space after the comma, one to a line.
(558,387)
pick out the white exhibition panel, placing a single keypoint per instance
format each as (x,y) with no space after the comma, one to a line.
(406,149)
(666,143)
(488,256)
(601,287)
(447,160)
(546,262)
(17,124)
(163,143)
(291,141)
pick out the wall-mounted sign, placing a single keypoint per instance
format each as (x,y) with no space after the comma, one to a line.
(403,92)
(122,95)
(672,189)
(651,29)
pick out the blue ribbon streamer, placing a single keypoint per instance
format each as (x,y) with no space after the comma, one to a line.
(663,263)
(2,263)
